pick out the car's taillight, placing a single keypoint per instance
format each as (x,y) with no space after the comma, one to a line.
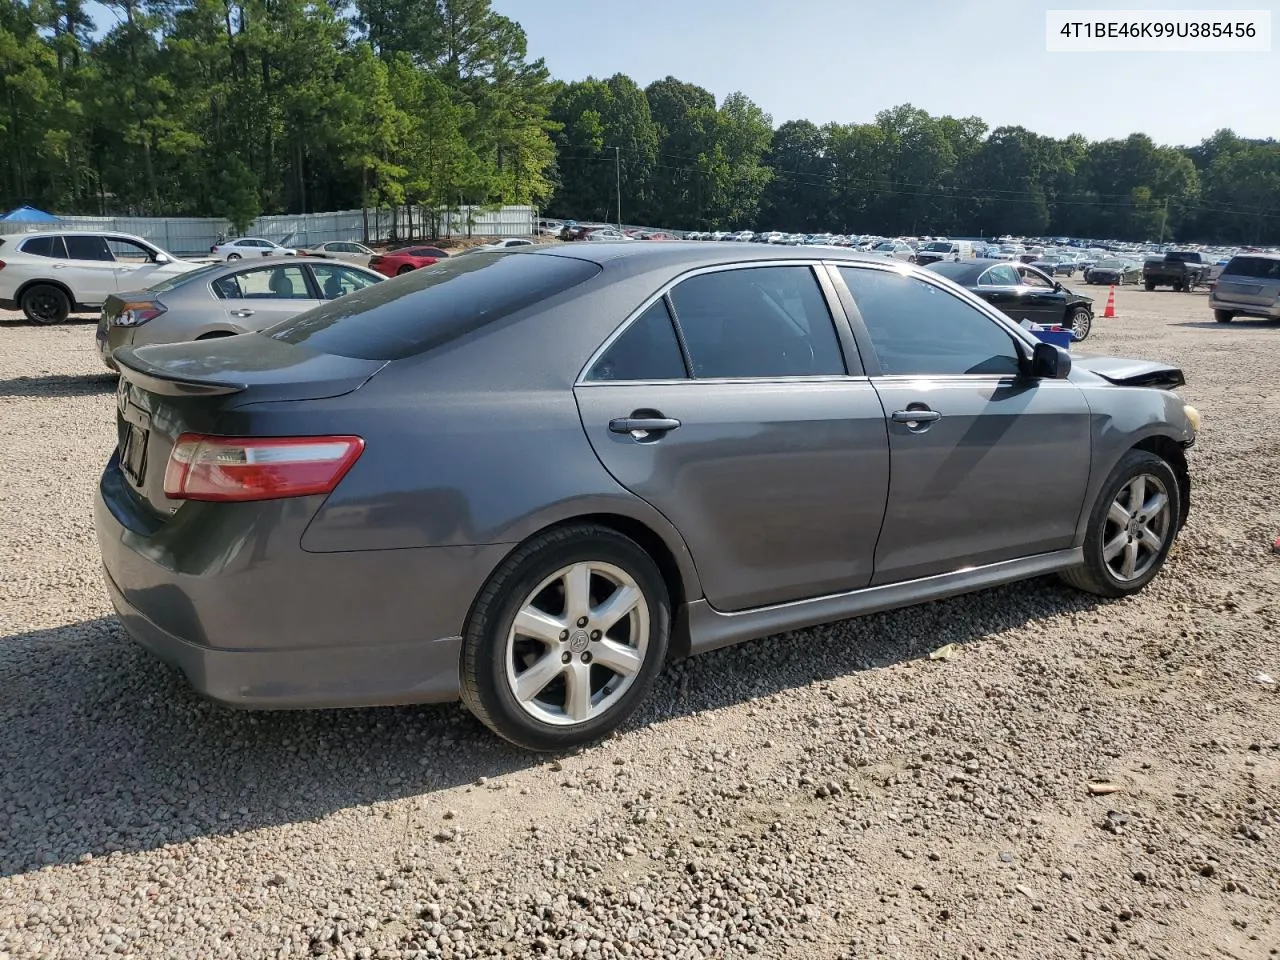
(138,313)
(1,264)
(257,468)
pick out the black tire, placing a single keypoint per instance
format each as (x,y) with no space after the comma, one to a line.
(1223,316)
(44,303)
(403,270)
(232,256)
(1150,285)
(486,687)
(1080,322)
(1095,575)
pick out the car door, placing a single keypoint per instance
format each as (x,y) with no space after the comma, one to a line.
(1041,299)
(986,464)
(136,268)
(747,431)
(256,297)
(89,270)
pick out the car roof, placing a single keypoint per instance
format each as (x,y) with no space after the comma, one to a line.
(646,256)
(77,233)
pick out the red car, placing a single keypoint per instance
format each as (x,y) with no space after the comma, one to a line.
(395,262)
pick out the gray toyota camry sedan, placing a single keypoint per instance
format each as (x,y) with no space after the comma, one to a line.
(526,478)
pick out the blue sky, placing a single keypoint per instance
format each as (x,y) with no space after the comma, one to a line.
(845,60)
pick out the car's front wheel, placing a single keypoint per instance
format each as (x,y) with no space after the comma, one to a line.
(1223,316)
(1131,527)
(566,638)
(1080,322)
(45,303)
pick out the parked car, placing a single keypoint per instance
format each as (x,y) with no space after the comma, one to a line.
(607,233)
(222,300)
(50,275)
(1022,292)
(243,247)
(393,263)
(896,249)
(935,250)
(1055,265)
(326,513)
(347,250)
(1113,271)
(1180,269)
(1249,286)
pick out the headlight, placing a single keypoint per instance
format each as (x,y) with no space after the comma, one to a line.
(1193,416)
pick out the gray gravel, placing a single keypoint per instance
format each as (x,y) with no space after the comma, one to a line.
(828,794)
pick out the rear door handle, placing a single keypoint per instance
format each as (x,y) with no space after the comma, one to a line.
(642,424)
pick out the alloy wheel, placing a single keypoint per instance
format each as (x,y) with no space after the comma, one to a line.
(1139,522)
(44,307)
(577,643)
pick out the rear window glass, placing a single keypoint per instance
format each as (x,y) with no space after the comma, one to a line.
(44,247)
(1262,268)
(191,276)
(432,305)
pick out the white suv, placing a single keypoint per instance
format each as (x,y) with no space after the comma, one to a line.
(49,275)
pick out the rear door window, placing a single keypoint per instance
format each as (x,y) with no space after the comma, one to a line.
(1259,268)
(433,305)
(45,247)
(82,246)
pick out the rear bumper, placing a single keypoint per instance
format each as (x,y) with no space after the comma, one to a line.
(254,621)
(1218,302)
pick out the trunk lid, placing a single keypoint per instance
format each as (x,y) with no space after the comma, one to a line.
(1132,373)
(171,389)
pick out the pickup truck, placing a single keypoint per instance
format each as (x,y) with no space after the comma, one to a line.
(1180,269)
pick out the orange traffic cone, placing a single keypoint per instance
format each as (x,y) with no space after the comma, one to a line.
(1110,312)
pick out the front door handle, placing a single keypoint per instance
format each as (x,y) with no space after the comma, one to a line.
(242,312)
(916,419)
(642,424)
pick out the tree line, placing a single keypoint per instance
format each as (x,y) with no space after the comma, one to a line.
(236,108)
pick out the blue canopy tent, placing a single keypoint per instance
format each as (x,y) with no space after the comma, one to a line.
(26,214)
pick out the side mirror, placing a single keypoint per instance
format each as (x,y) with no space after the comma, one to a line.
(1050,362)
(1057,286)
(163,258)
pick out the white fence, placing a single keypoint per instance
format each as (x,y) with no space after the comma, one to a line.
(194,235)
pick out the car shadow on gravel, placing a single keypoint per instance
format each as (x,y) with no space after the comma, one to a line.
(59,385)
(1239,324)
(102,748)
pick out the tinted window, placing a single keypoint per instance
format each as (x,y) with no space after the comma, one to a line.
(336,281)
(82,246)
(424,252)
(919,330)
(646,350)
(1001,276)
(1261,268)
(758,322)
(433,305)
(44,247)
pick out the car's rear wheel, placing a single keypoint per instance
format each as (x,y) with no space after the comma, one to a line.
(1223,316)
(1131,527)
(233,256)
(45,303)
(1150,285)
(566,638)
(1081,322)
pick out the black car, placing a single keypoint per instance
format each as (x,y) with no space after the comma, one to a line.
(1023,292)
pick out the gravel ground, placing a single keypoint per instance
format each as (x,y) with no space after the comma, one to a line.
(828,794)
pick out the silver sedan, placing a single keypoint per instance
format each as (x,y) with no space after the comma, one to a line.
(224,299)
(347,250)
